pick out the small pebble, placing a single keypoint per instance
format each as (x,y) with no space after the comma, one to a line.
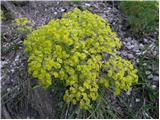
(130,105)
(109,8)
(154,53)
(138,53)
(20,42)
(129,92)
(17,58)
(129,47)
(153,86)
(137,60)
(55,13)
(144,52)
(12,70)
(141,46)
(145,40)
(87,4)
(137,100)
(3,62)
(132,46)
(8,89)
(130,56)
(62,10)
(144,64)
(124,43)
(20,47)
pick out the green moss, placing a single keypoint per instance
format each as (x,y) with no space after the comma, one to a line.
(70,50)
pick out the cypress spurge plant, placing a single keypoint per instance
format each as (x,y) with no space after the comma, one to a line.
(69,50)
(23,25)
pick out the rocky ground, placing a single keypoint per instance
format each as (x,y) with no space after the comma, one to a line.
(21,100)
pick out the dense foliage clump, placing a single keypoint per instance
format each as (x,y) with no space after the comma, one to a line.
(70,50)
(142,15)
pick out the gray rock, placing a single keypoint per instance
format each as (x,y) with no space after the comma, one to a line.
(141,46)
(138,100)
(138,53)
(145,40)
(55,13)
(62,10)
(12,70)
(132,46)
(130,105)
(130,56)
(108,8)
(155,78)
(150,76)
(87,4)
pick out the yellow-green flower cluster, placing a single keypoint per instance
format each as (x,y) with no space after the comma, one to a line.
(121,74)
(23,24)
(69,50)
